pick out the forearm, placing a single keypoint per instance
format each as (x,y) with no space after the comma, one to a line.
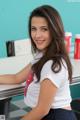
(8,79)
(34,114)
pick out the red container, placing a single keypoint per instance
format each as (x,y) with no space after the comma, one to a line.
(77,47)
(68,36)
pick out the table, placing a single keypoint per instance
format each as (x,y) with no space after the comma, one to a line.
(7,91)
(12,65)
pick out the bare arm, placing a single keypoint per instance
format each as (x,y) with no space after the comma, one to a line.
(15,78)
(47,93)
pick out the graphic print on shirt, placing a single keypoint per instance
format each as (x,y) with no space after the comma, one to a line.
(28,81)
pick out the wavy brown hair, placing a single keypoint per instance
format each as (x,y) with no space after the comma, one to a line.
(56,50)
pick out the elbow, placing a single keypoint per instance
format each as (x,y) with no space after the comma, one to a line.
(16,79)
(45,112)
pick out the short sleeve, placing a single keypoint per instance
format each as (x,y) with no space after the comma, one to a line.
(56,78)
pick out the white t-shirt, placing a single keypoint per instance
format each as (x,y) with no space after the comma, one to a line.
(60,79)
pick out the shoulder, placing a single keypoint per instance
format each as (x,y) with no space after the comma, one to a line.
(48,64)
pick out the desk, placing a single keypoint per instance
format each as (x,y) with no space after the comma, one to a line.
(7,91)
(12,65)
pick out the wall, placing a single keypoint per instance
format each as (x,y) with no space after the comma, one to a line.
(14,18)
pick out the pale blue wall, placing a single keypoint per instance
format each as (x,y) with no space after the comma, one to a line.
(14,18)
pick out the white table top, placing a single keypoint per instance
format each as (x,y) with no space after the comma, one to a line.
(11,65)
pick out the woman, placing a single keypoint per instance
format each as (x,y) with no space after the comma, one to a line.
(47,89)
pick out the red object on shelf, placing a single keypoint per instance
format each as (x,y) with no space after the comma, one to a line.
(77,47)
(68,36)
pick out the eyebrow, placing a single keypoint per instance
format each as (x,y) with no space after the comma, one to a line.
(41,26)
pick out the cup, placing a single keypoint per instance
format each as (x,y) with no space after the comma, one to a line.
(77,47)
(68,36)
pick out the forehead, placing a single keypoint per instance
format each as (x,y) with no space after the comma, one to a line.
(38,21)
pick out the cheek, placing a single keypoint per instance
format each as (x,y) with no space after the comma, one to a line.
(33,36)
(48,39)
(48,43)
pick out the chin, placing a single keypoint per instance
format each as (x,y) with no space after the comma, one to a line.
(40,48)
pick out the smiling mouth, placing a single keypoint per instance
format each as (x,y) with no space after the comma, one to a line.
(39,41)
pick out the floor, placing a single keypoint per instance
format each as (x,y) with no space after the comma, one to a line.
(17,108)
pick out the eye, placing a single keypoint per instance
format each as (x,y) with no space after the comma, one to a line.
(33,29)
(44,29)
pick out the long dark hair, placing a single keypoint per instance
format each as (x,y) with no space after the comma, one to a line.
(56,50)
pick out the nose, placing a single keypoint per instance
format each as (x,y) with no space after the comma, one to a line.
(38,34)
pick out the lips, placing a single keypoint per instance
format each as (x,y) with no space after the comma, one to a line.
(39,41)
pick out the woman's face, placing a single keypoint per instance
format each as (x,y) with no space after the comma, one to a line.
(40,33)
